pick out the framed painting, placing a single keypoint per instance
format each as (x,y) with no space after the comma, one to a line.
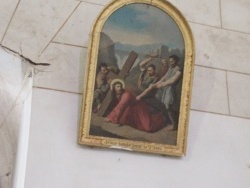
(138,79)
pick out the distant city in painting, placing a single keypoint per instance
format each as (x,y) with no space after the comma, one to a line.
(139,75)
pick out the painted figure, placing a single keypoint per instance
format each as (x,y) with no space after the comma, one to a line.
(148,74)
(167,91)
(128,111)
(164,67)
(102,86)
(149,77)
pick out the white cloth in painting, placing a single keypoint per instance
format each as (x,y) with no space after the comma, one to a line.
(167,94)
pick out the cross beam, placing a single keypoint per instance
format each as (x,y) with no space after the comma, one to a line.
(122,75)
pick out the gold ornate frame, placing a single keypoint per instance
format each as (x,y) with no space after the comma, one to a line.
(176,150)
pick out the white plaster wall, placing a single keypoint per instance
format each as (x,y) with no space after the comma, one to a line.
(10,85)
(218,152)
(15,89)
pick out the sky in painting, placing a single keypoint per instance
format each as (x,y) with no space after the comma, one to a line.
(138,24)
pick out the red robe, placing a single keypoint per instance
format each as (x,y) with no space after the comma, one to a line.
(136,114)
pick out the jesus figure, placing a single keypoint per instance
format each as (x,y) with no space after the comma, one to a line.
(128,111)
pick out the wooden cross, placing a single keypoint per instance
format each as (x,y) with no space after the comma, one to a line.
(122,75)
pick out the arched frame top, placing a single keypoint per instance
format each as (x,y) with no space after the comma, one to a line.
(85,138)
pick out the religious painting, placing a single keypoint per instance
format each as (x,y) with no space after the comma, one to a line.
(138,79)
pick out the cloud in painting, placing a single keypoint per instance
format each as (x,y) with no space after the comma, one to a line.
(138,24)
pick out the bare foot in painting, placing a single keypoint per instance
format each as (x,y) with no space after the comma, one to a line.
(107,120)
(170,127)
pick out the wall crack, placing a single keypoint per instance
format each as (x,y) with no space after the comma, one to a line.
(24,58)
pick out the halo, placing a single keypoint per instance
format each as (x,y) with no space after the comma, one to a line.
(117,80)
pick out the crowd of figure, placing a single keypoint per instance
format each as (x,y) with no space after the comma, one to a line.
(157,104)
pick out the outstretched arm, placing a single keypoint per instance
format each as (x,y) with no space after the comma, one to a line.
(161,80)
(169,81)
(145,92)
(145,62)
